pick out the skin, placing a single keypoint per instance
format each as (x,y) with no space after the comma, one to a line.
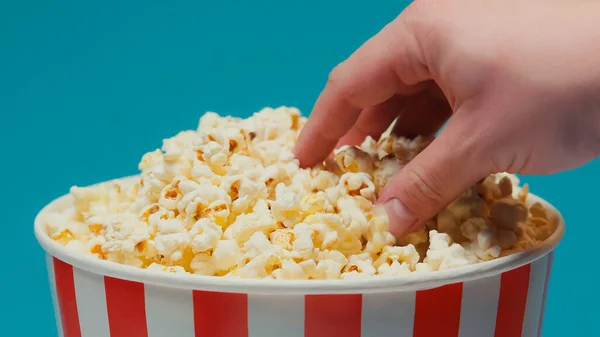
(517,81)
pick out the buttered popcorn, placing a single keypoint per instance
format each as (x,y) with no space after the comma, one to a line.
(230,199)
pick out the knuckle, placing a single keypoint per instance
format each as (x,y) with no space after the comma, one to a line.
(366,129)
(478,139)
(327,134)
(336,75)
(508,161)
(342,81)
(423,17)
(430,31)
(475,143)
(423,6)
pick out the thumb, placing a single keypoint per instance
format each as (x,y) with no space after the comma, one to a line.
(454,161)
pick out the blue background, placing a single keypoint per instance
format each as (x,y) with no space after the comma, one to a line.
(87,87)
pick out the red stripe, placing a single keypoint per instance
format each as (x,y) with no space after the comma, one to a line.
(332,315)
(220,314)
(546,285)
(511,304)
(437,312)
(126,308)
(67,302)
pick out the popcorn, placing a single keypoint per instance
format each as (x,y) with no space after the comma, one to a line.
(202,171)
(169,197)
(443,254)
(78,246)
(226,255)
(378,235)
(286,207)
(405,255)
(402,148)
(484,254)
(230,200)
(258,244)
(169,226)
(283,238)
(314,203)
(123,233)
(473,227)
(369,145)
(247,224)
(206,235)
(360,265)
(261,266)
(418,237)
(322,180)
(506,239)
(385,171)
(353,159)
(507,213)
(327,269)
(357,184)
(348,239)
(201,265)
(303,243)
(171,246)
(394,269)
(290,270)
(330,240)
(63,237)
(423,268)
(333,255)
(167,269)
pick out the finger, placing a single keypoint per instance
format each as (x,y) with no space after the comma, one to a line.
(387,64)
(373,121)
(440,173)
(424,114)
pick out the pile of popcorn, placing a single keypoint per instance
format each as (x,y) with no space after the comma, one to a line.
(231,200)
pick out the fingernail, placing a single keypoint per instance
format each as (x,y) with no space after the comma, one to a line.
(401,218)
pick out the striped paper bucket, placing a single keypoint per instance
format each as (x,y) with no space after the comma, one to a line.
(499,298)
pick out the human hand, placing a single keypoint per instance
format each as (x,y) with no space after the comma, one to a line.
(518,81)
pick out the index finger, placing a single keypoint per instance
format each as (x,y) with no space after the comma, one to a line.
(388,63)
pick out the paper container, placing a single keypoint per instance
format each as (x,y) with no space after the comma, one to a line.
(96,298)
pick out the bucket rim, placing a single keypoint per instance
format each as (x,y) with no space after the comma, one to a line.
(374,284)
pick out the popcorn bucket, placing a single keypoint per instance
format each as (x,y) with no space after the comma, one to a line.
(499,298)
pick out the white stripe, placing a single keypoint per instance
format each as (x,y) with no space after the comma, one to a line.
(275,316)
(169,312)
(52,280)
(91,303)
(388,314)
(548,274)
(535,297)
(479,307)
